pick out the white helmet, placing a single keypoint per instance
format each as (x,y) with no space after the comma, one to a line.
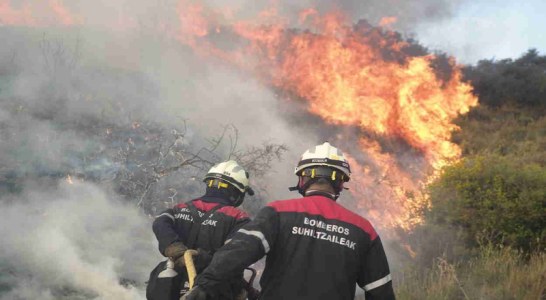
(324,155)
(231,172)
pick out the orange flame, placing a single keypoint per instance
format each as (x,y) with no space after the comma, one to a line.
(12,16)
(64,16)
(192,21)
(403,109)
(36,14)
(387,21)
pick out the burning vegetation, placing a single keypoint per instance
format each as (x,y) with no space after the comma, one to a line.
(351,76)
(42,14)
(383,98)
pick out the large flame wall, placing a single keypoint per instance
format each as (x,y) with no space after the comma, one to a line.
(348,75)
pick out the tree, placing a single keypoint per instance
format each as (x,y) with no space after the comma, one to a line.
(521,81)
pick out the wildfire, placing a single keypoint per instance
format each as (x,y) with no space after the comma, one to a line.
(36,14)
(11,16)
(350,75)
(192,21)
(357,76)
(62,12)
(387,21)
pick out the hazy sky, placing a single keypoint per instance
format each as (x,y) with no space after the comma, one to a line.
(485,29)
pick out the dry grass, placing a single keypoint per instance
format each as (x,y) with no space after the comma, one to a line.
(497,273)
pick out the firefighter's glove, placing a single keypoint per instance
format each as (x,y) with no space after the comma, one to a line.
(197,293)
(252,293)
(202,259)
(175,250)
(180,264)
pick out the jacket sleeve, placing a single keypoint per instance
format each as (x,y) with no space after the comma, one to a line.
(248,245)
(164,229)
(375,277)
(241,220)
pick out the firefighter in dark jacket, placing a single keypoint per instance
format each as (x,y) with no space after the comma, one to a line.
(177,229)
(316,249)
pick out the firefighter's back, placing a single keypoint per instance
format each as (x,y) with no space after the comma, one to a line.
(317,253)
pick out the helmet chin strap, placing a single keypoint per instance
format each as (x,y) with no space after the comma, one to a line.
(237,200)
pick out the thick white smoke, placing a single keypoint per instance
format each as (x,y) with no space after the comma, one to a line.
(59,89)
(73,239)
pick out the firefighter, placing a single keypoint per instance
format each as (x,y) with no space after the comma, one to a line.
(204,224)
(316,249)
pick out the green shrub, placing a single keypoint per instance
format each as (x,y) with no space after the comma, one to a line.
(492,198)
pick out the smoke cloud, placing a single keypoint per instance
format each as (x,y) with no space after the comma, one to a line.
(70,240)
(408,13)
(64,94)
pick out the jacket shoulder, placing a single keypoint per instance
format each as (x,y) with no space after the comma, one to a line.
(357,220)
(233,212)
(207,206)
(285,205)
(326,208)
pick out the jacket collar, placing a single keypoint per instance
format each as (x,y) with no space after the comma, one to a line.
(320,193)
(213,196)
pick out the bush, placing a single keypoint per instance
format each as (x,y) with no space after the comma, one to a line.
(492,198)
(507,130)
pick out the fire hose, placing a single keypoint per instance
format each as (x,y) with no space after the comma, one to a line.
(190,266)
(252,293)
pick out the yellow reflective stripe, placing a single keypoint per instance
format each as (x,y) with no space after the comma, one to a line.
(334,175)
(313,173)
(220,183)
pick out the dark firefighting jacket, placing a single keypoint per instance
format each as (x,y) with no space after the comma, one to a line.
(175,225)
(316,249)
